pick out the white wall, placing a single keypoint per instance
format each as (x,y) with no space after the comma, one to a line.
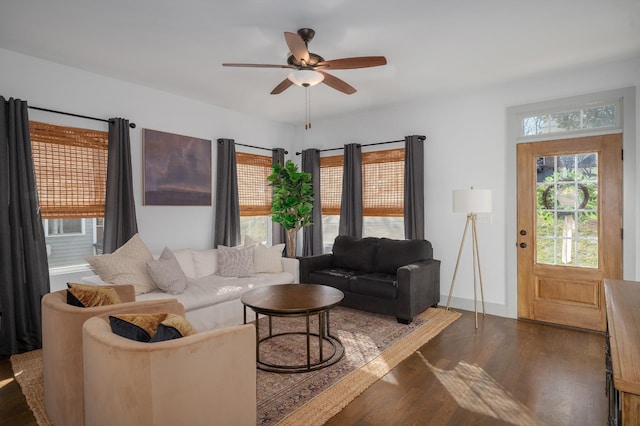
(467,145)
(50,85)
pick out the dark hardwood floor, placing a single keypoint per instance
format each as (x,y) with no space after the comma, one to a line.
(506,372)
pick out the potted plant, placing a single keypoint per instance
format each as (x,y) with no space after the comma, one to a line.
(291,204)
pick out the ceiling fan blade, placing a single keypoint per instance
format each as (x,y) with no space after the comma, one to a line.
(351,63)
(284,85)
(337,83)
(258,65)
(297,46)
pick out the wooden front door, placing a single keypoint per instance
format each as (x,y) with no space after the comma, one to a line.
(569,228)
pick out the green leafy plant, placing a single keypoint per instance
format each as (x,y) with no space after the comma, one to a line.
(292,200)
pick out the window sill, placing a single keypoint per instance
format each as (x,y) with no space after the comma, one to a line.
(63,270)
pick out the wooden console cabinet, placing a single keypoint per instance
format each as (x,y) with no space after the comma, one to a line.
(623,351)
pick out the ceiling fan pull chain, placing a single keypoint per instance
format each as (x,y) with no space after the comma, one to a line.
(307,96)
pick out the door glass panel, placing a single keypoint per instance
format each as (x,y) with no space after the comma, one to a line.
(567,210)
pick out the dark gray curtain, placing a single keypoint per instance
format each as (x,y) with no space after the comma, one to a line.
(312,235)
(120,222)
(24,270)
(227,220)
(351,207)
(414,187)
(278,234)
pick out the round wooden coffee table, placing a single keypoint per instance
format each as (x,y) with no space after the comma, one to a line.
(296,300)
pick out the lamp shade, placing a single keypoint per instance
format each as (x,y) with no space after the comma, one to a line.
(472,200)
(306,78)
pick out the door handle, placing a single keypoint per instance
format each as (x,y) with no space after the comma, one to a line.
(523,232)
(523,245)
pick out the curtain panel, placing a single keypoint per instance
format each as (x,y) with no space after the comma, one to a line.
(312,235)
(414,187)
(351,208)
(24,270)
(227,219)
(120,223)
(278,234)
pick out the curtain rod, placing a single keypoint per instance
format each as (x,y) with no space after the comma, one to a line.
(420,138)
(132,125)
(256,147)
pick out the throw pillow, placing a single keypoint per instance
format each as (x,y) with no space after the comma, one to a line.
(138,327)
(267,259)
(235,261)
(167,273)
(127,265)
(150,327)
(87,296)
(206,262)
(173,327)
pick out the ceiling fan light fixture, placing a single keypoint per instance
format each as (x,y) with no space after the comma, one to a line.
(306,78)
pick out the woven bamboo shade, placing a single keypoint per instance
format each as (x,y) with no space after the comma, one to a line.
(331,184)
(254,192)
(383,183)
(71,170)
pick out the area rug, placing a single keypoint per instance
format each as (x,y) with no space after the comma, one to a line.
(374,345)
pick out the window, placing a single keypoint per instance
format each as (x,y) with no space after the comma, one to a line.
(64,227)
(382,196)
(383,193)
(594,117)
(254,194)
(71,171)
(330,197)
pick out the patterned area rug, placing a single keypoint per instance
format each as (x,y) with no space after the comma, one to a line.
(374,345)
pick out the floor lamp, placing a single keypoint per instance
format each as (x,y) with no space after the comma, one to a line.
(471,201)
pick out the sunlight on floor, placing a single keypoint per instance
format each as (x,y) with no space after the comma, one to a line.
(474,390)
(362,347)
(5,382)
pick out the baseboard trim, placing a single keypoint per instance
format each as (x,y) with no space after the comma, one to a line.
(467,305)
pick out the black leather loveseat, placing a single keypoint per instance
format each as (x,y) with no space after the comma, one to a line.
(390,277)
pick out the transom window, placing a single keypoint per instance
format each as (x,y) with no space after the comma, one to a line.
(597,116)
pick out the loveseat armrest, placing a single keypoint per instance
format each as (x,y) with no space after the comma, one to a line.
(292,266)
(418,288)
(308,264)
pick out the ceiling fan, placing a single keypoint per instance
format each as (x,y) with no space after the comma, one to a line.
(311,68)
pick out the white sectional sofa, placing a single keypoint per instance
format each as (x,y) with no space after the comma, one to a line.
(211,300)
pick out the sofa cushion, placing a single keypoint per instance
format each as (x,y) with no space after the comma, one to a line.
(167,273)
(205,262)
(235,261)
(334,277)
(354,254)
(214,289)
(375,284)
(186,261)
(127,265)
(393,254)
(267,259)
(87,296)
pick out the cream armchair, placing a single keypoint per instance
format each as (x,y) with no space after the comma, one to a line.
(208,378)
(62,348)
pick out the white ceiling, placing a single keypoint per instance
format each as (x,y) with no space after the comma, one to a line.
(432,46)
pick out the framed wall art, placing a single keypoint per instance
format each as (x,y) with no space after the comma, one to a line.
(177,169)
